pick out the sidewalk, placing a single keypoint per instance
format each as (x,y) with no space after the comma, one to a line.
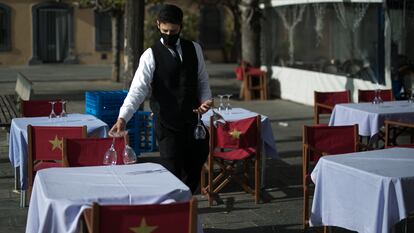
(281,211)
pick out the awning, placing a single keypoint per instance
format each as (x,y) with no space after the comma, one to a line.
(275,3)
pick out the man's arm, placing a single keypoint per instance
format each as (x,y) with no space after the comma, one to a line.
(204,92)
(140,86)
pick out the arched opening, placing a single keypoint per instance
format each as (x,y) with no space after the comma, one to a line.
(52,33)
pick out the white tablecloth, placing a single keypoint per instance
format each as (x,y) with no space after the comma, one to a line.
(367,192)
(240,113)
(370,117)
(61,194)
(18,136)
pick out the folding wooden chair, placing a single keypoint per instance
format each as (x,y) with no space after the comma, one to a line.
(324,102)
(369,95)
(254,80)
(79,152)
(394,129)
(320,141)
(231,144)
(161,218)
(38,108)
(45,147)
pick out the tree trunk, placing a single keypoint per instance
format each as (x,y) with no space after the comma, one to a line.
(250,31)
(116,26)
(134,37)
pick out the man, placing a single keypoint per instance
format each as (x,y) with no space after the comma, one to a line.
(173,70)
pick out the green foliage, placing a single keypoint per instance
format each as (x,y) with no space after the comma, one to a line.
(190,25)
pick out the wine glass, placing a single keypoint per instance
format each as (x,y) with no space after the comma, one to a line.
(110,156)
(199,131)
(128,154)
(221,106)
(63,113)
(377,98)
(52,112)
(228,106)
(411,97)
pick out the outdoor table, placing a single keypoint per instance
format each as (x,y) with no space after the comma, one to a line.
(18,153)
(367,192)
(61,194)
(269,144)
(370,117)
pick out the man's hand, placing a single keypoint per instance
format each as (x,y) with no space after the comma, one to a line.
(118,127)
(204,107)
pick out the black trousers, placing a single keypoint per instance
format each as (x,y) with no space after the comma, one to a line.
(181,153)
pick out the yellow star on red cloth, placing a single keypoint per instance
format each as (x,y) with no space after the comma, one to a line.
(143,227)
(56,143)
(235,133)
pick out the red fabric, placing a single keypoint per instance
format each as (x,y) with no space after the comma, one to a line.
(167,218)
(90,151)
(47,140)
(237,139)
(331,98)
(43,165)
(369,95)
(254,72)
(239,73)
(38,108)
(331,139)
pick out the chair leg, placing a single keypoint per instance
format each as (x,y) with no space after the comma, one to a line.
(305,207)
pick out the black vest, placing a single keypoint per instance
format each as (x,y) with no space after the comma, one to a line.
(175,86)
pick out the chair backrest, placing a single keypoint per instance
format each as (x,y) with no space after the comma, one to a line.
(369,95)
(45,145)
(78,152)
(23,87)
(238,139)
(324,102)
(38,108)
(178,217)
(322,140)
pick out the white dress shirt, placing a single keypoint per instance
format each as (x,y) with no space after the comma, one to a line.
(141,84)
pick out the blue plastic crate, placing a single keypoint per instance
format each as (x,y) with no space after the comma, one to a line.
(147,141)
(104,102)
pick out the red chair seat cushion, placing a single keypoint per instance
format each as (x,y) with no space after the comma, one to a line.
(236,154)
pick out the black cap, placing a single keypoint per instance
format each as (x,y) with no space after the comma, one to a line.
(170,14)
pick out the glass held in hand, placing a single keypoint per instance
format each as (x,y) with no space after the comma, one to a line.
(199,131)
(63,113)
(52,111)
(110,156)
(128,155)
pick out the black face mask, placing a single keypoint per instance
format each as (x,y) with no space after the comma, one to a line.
(170,40)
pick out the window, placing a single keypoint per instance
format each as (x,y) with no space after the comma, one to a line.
(4,27)
(103,31)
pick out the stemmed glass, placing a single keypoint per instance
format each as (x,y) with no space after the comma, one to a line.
(411,97)
(228,106)
(377,98)
(63,113)
(221,107)
(110,156)
(128,154)
(52,112)
(199,131)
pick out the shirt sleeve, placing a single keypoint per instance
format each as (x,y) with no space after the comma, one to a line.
(140,86)
(204,92)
